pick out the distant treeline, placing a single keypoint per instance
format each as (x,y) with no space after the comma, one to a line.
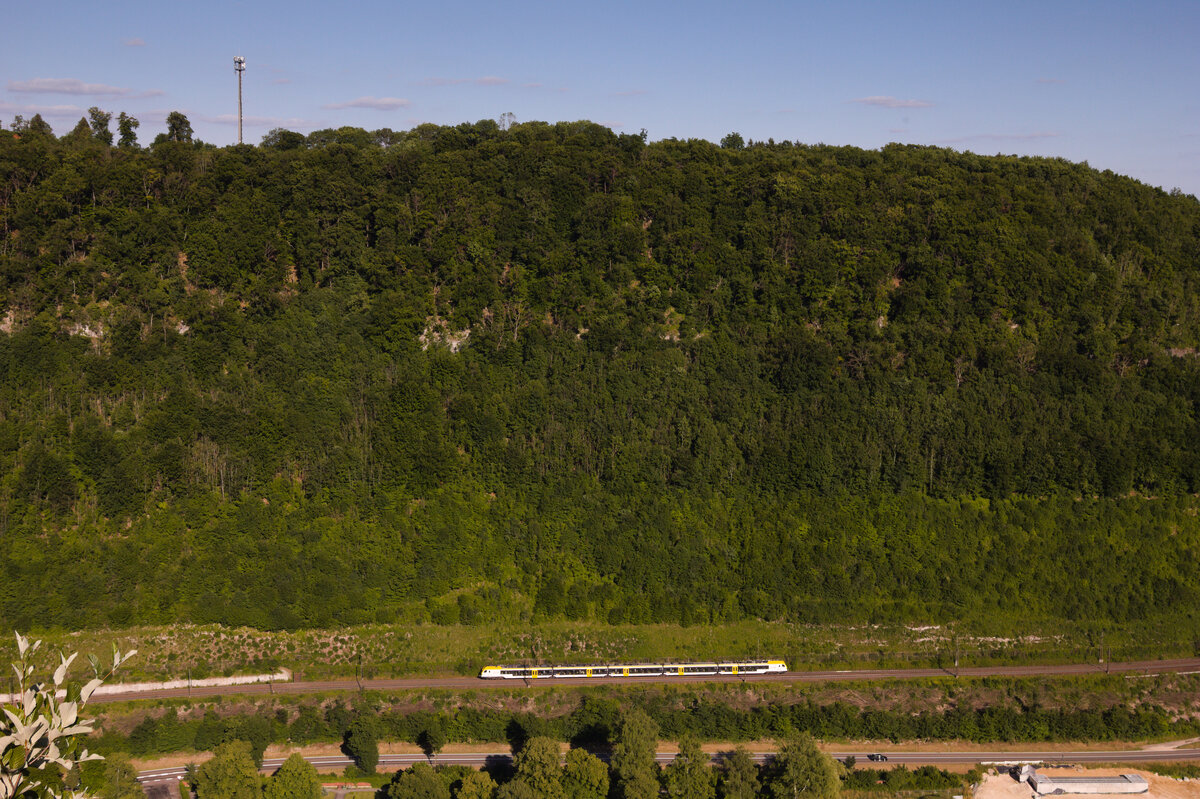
(474,372)
(796,768)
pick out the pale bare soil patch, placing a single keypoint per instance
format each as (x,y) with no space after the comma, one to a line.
(1002,786)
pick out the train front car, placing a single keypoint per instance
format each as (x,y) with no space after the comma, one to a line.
(490,673)
(776,666)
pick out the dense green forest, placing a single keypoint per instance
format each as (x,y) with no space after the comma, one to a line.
(546,370)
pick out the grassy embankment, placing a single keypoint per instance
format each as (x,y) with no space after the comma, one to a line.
(420,650)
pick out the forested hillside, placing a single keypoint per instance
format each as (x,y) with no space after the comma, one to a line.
(468,372)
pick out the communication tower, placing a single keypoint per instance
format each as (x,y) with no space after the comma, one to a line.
(239,66)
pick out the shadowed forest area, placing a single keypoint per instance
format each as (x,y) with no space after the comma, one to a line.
(462,374)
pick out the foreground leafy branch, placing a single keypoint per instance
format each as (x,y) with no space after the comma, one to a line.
(42,733)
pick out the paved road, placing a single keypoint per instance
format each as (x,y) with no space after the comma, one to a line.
(1181,665)
(161,782)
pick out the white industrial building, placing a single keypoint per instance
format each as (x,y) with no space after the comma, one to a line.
(1045,784)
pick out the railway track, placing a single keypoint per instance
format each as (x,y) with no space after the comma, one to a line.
(1129,669)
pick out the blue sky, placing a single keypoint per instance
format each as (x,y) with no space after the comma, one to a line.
(1111,83)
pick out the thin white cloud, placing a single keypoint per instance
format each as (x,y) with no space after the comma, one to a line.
(136,41)
(613,125)
(275,122)
(559,89)
(884,101)
(280,81)
(377,103)
(1050,80)
(150,93)
(486,80)
(64,86)
(55,111)
(979,137)
(897,130)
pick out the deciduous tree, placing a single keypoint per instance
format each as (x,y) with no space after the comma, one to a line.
(98,121)
(516,789)
(178,127)
(127,130)
(538,765)
(120,779)
(585,776)
(295,779)
(362,742)
(419,781)
(634,768)
(803,770)
(432,738)
(739,776)
(477,785)
(688,776)
(230,774)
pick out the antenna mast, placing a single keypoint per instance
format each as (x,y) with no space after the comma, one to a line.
(239,66)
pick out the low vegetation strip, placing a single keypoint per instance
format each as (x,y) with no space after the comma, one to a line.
(421,650)
(979,713)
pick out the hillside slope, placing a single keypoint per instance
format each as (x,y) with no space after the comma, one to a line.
(461,373)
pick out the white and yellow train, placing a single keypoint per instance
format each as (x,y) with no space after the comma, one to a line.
(632,670)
